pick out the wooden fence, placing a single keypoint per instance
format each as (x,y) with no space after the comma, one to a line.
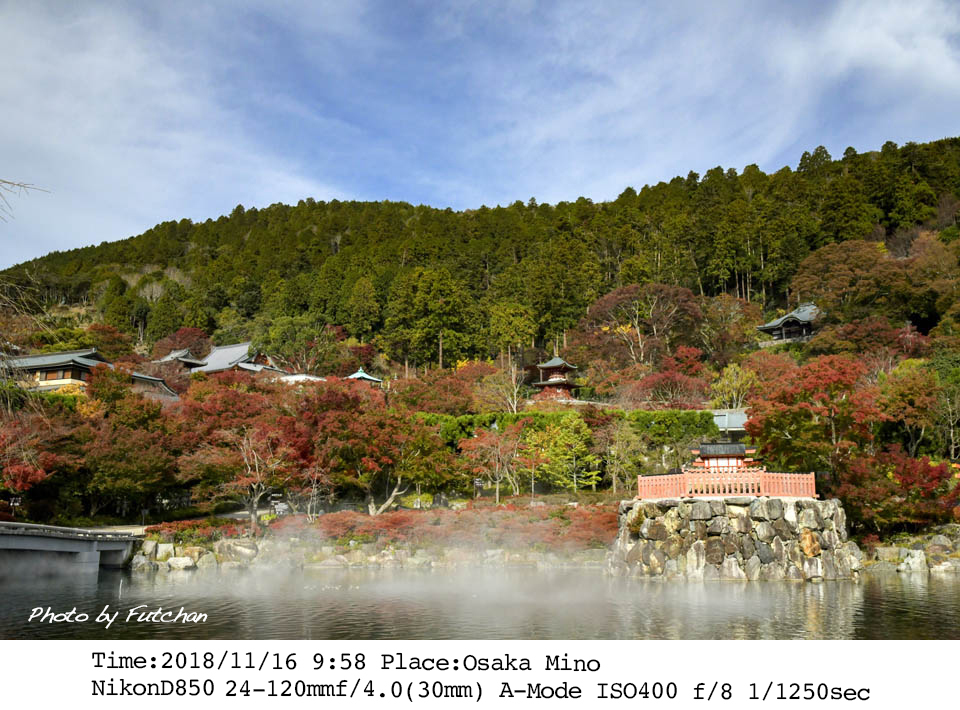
(727,482)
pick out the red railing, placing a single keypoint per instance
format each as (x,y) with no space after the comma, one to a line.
(727,482)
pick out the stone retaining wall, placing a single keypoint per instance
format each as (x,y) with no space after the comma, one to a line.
(734,539)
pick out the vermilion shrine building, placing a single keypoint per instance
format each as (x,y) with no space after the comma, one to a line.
(726,470)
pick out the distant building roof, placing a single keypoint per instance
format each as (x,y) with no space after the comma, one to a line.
(183,355)
(361,375)
(723,449)
(298,378)
(804,313)
(556,361)
(223,357)
(89,357)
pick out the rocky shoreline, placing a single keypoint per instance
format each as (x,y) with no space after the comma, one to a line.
(762,539)
(735,538)
(296,553)
(719,539)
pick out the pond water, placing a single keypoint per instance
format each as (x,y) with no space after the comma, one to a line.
(484,604)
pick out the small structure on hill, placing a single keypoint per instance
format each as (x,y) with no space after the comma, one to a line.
(555,382)
(365,377)
(794,327)
(725,469)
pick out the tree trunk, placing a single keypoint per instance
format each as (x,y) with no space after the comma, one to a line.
(397,491)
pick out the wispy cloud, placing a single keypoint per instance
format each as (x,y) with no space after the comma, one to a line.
(135,114)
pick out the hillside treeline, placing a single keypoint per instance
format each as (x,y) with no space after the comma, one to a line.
(407,277)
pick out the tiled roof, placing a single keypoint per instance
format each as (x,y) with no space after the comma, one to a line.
(707,449)
(89,357)
(223,357)
(805,313)
(361,375)
(557,362)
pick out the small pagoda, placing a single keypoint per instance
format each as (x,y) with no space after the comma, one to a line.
(554,381)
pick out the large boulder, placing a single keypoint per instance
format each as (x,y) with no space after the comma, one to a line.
(207,561)
(790,512)
(915,561)
(700,510)
(765,531)
(810,518)
(715,553)
(195,552)
(696,560)
(653,530)
(657,562)
(941,540)
(719,525)
(752,568)
(774,508)
(731,543)
(808,541)
(149,548)
(829,565)
(164,551)
(239,550)
(831,540)
(181,563)
(765,553)
(880,568)
(758,509)
(772,572)
(730,570)
(741,523)
(141,563)
(793,573)
(888,554)
(812,568)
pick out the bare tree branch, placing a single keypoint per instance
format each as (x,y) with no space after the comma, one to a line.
(11,187)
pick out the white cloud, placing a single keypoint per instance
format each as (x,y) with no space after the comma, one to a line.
(132,115)
(125,129)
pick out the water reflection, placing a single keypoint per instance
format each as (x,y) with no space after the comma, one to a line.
(495,604)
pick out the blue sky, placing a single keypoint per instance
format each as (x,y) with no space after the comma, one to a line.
(132,114)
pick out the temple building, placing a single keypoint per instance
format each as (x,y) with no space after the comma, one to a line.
(50,372)
(725,469)
(237,356)
(795,327)
(555,382)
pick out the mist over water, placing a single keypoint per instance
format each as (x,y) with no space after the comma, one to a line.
(481,603)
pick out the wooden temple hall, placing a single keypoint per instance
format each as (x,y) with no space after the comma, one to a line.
(725,469)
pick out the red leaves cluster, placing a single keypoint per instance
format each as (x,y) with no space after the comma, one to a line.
(892,491)
(192,339)
(202,530)
(550,528)
(816,417)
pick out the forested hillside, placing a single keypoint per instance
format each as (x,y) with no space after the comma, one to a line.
(400,275)
(655,297)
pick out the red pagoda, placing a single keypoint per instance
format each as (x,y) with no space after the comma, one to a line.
(554,381)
